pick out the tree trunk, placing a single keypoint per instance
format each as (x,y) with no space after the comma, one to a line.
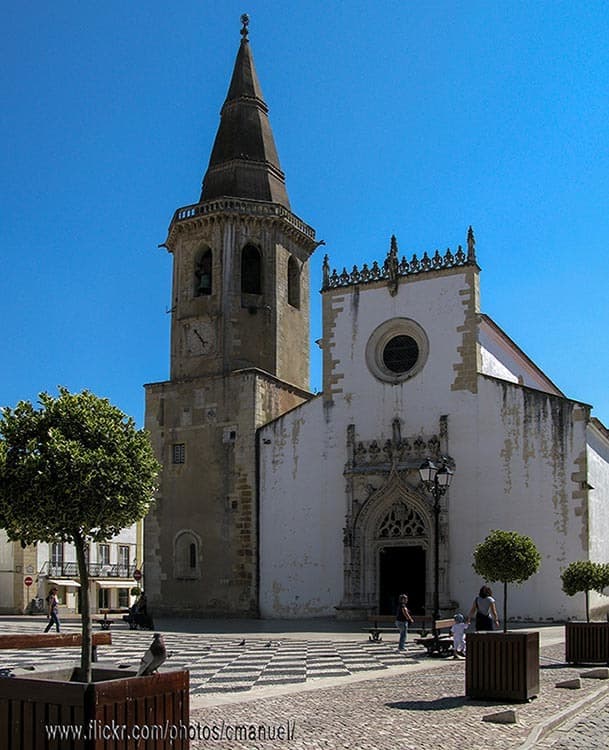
(587,606)
(505,607)
(85,606)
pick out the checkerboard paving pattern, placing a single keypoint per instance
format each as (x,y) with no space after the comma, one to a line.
(227,664)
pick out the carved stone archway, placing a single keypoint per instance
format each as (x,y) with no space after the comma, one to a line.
(387,508)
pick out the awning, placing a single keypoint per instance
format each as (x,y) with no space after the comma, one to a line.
(64,582)
(115,583)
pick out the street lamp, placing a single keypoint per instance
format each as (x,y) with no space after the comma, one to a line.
(436,480)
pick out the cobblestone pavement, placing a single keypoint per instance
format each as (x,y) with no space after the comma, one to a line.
(587,730)
(314,690)
(412,710)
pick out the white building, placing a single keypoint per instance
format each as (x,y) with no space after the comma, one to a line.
(412,369)
(111,568)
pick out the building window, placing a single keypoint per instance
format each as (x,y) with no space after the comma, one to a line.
(103,554)
(186,554)
(103,599)
(202,280)
(179,453)
(293,283)
(251,270)
(123,598)
(397,350)
(123,560)
(401,354)
(56,559)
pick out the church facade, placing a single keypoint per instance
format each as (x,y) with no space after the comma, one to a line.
(278,503)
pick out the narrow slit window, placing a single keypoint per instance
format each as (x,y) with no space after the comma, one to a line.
(251,270)
(202,280)
(293,283)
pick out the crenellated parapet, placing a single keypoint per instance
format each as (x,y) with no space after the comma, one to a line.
(393,268)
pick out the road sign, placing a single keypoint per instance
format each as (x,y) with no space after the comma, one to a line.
(137,574)
(28,580)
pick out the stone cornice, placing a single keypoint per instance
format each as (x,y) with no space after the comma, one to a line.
(189,218)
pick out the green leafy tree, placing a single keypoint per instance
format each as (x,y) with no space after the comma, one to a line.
(585,576)
(74,470)
(508,557)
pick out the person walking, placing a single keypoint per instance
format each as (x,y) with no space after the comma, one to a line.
(53,610)
(402,618)
(484,609)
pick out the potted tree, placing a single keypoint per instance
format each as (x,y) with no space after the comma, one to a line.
(586,641)
(504,665)
(77,470)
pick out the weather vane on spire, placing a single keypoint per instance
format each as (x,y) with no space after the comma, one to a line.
(245,20)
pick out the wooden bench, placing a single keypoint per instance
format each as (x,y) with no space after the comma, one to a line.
(53,640)
(105,623)
(421,625)
(439,643)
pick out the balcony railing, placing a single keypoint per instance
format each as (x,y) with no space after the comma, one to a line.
(96,570)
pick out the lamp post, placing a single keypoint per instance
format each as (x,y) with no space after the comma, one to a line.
(436,480)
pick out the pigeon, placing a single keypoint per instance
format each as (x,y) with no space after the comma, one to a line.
(154,657)
(269,644)
(242,642)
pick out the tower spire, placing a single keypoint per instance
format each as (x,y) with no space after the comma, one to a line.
(244,161)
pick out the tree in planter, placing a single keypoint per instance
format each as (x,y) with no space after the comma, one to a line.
(74,470)
(508,557)
(585,576)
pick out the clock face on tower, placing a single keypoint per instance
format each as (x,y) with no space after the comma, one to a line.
(198,339)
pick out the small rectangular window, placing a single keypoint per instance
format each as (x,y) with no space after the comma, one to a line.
(103,599)
(123,560)
(103,554)
(179,453)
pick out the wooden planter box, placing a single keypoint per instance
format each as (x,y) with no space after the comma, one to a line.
(115,703)
(502,666)
(587,642)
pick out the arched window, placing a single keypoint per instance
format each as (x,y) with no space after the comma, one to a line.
(202,277)
(186,554)
(293,283)
(251,270)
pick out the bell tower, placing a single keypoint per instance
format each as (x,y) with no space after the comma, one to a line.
(239,358)
(241,278)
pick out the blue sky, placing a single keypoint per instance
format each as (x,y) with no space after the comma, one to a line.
(397,117)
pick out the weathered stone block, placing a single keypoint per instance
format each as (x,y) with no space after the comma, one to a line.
(502,717)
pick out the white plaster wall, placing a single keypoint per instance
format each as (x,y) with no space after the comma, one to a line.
(518,477)
(303,454)
(492,365)
(302,514)
(598,479)
(435,303)
(516,450)
(499,359)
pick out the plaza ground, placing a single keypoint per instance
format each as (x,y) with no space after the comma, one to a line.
(321,684)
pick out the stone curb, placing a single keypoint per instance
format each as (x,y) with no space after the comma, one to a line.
(545,727)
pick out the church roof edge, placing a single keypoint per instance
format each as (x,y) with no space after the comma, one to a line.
(394,268)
